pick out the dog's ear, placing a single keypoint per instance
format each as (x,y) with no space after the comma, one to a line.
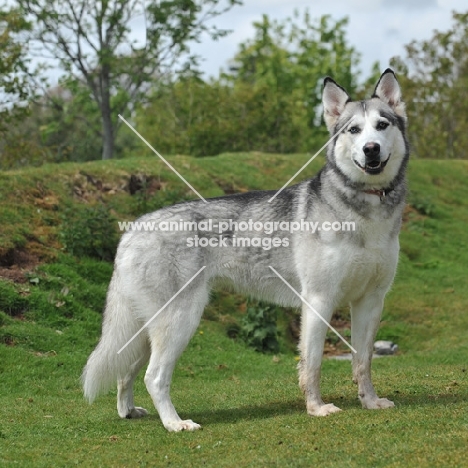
(388,90)
(334,100)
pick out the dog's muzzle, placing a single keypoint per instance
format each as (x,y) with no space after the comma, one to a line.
(374,165)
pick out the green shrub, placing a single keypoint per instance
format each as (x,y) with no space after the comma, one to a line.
(89,231)
(10,301)
(146,202)
(258,327)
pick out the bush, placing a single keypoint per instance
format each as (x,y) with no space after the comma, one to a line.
(11,302)
(258,327)
(89,231)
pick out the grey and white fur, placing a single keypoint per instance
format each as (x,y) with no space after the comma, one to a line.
(363,181)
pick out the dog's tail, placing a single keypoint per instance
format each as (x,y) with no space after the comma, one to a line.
(114,354)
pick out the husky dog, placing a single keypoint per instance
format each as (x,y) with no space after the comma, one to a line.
(363,182)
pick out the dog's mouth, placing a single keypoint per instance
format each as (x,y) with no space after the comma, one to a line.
(373,167)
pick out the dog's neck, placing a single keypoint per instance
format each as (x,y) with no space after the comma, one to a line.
(381,193)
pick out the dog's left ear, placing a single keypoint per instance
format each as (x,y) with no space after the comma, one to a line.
(388,90)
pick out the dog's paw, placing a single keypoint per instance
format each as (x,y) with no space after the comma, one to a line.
(177,426)
(378,403)
(136,412)
(323,410)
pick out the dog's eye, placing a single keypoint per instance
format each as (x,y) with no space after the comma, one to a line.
(354,130)
(382,125)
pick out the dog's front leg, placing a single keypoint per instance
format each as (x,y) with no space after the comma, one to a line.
(365,320)
(313,332)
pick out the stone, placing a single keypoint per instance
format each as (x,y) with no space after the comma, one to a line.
(384,348)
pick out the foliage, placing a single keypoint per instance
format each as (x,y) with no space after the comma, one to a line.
(270,99)
(20,145)
(61,126)
(145,201)
(10,301)
(14,83)
(202,118)
(434,77)
(93,44)
(89,231)
(291,58)
(68,121)
(15,89)
(258,327)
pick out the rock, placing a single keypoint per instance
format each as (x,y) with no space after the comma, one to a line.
(383,348)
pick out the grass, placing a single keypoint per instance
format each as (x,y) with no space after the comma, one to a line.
(249,404)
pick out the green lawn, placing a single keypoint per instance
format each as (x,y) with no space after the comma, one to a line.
(249,404)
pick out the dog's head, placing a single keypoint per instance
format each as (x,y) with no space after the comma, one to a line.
(371,145)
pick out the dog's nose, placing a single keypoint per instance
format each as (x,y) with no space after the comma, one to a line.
(371,150)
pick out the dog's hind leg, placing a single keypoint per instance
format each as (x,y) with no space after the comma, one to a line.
(313,332)
(125,405)
(169,336)
(365,320)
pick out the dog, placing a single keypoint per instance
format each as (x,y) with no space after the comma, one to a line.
(163,279)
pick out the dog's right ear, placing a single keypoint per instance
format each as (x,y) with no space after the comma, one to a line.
(388,90)
(334,99)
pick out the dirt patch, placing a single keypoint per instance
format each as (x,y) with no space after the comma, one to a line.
(15,264)
(42,197)
(88,188)
(411,214)
(230,188)
(144,183)
(7,340)
(227,187)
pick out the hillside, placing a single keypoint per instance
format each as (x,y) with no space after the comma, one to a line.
(51,303)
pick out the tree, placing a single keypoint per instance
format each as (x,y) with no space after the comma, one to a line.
(206,118)
(91,40)
(14,84)
(290,59)
(15,90)
(68,122)
(434,77)
(270,99)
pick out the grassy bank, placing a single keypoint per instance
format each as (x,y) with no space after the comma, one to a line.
(249,404)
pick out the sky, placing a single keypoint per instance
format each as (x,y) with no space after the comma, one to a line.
(378,29)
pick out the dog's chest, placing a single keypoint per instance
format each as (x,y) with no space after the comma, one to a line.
(351,264)
(366,260)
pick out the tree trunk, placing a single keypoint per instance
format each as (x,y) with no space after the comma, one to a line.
(107,135)
(107,127)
